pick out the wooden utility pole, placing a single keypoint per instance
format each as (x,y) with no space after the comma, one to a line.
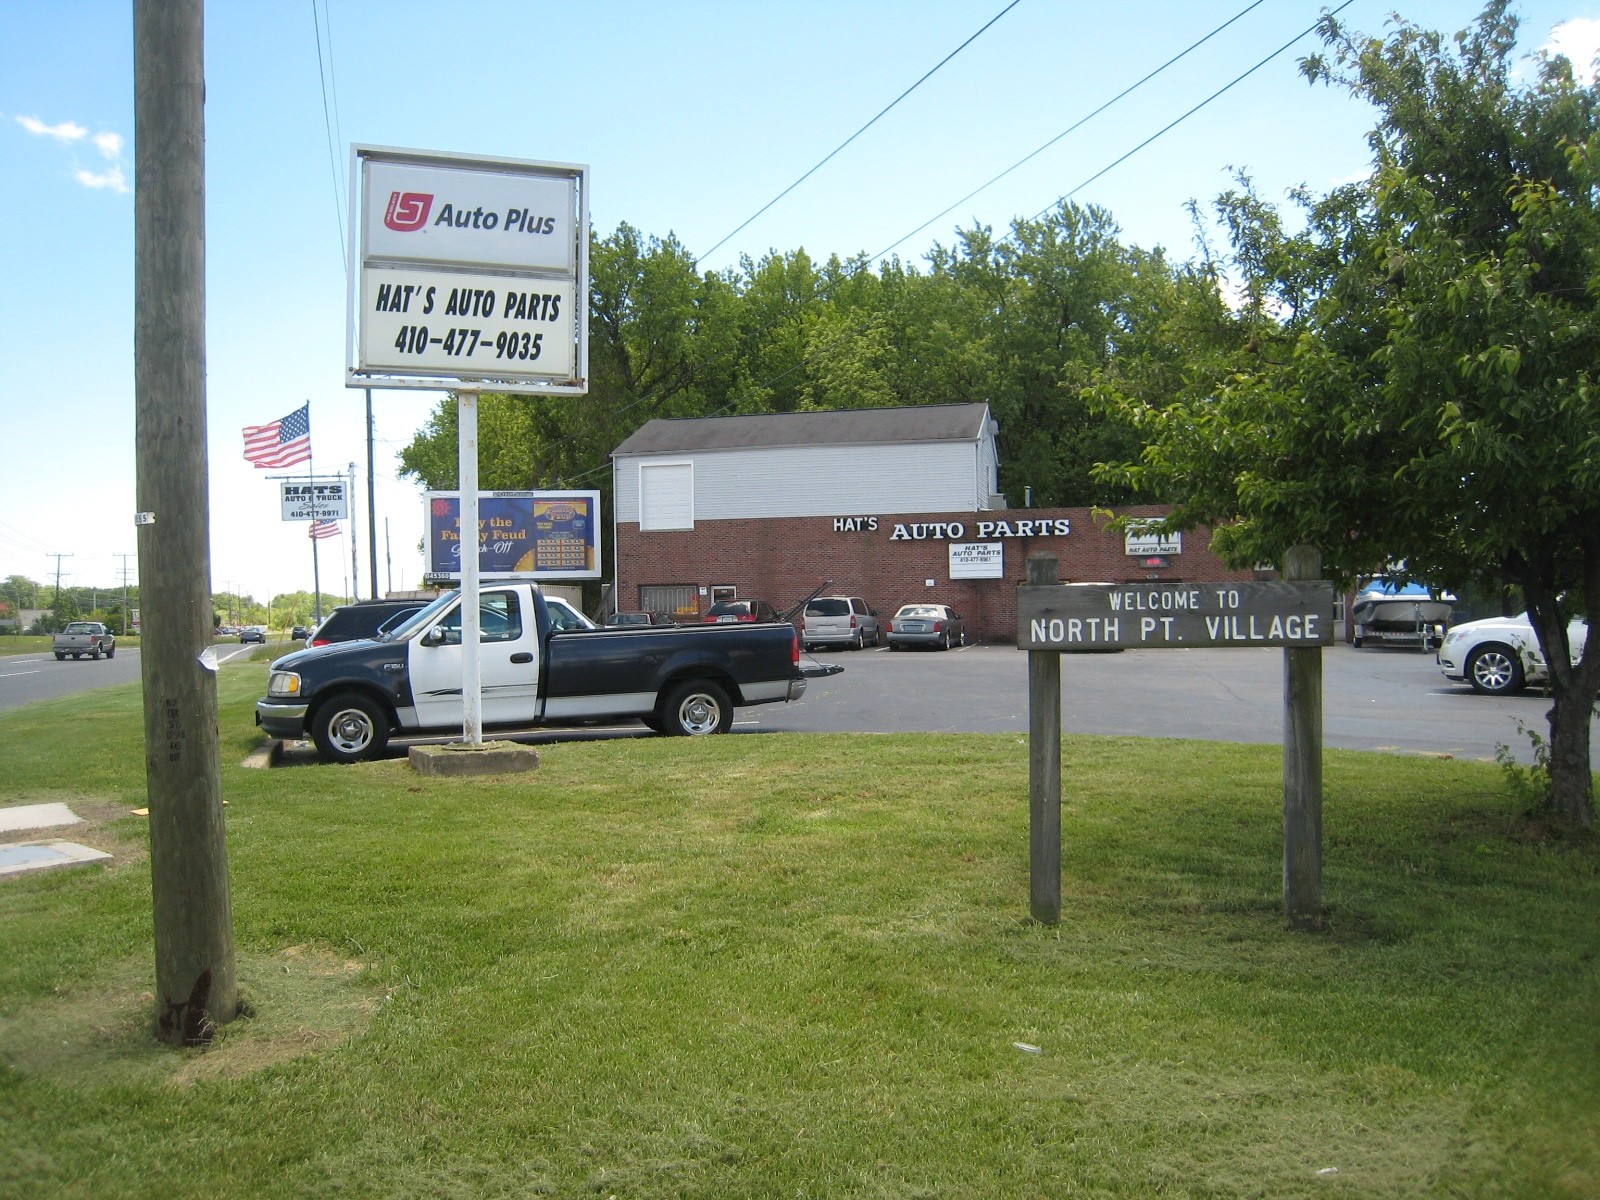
(1044,765)
(1302,765)
(196,983)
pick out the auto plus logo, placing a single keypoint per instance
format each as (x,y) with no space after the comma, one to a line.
(408,211)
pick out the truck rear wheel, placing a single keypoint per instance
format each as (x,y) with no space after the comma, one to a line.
(61,656)
(695,709)
(349,728)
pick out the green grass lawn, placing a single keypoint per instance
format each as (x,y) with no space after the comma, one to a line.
(801,966)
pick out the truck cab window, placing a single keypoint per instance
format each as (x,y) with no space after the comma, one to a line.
(499,620)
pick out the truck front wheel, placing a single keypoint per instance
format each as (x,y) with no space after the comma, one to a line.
(696,708)
(349,728)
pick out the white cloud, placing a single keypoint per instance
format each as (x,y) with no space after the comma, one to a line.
(1579,40)
(67,131)
(111,178)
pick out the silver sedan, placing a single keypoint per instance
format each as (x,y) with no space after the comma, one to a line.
(934,625)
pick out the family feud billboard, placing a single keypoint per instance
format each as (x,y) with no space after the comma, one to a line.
(543,535)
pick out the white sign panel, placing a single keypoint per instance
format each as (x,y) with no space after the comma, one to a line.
(463,325)
(415,213)
(470,271)
(1140,544)
(315,500)
(977,560)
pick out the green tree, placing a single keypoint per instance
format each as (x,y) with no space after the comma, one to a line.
(20,590)
(1427,392)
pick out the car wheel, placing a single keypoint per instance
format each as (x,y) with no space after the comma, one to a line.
(962,640)
(1356,641)
(349,728)
(944,641)
(94,655)
(695,709)
(76,657)
(61,656)
(1494,670)
(111,653)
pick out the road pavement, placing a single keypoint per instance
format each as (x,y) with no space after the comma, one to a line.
(25,678)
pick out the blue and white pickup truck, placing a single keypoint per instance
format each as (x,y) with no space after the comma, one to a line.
(538,668)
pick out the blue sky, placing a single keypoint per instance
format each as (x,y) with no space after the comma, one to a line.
(691,116)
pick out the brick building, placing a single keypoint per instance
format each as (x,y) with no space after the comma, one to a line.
(894,505)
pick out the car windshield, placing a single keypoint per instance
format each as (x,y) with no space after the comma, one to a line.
(920,610)
(80,627)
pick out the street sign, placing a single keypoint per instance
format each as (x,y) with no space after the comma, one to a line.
(1148,616)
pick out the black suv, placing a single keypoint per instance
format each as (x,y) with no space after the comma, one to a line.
(363,619)
(740,610)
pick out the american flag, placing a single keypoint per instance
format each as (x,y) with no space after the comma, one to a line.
(322,529)
(282,443)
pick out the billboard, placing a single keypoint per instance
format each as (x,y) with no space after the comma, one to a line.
(468,271)
(542,535)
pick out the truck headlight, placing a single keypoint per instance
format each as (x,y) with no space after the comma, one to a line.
(283,683)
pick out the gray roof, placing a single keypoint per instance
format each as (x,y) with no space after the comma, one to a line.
(834,427)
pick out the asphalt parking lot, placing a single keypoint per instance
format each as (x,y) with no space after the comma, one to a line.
(1375,698)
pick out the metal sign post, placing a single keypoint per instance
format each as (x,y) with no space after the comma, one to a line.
(471,658)
(1295,614)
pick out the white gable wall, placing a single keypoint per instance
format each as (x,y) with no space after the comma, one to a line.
(825,481)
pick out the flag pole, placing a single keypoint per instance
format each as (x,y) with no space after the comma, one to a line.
(311,478)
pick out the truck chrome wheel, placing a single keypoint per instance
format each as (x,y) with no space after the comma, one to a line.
(350,728)
(697,708)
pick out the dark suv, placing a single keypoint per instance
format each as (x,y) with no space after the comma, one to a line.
(740,610)
(363,619)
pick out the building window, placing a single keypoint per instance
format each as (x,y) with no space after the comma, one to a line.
(676,600)
(666,495)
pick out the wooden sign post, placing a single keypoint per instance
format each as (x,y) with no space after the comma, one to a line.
(1295,614)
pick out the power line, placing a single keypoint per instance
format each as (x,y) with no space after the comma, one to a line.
(327,125)
(865,262)
(1180,120)
(1167,128)
(865,127)
(1079,123)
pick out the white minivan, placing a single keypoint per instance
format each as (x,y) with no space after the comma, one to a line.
(839,621)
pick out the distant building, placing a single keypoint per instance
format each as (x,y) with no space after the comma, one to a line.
(891,504)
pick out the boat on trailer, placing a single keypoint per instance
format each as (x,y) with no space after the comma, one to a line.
(1391,610)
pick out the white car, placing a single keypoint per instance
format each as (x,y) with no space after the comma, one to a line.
(1501,655)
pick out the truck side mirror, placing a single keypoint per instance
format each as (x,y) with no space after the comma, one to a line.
(434,636)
